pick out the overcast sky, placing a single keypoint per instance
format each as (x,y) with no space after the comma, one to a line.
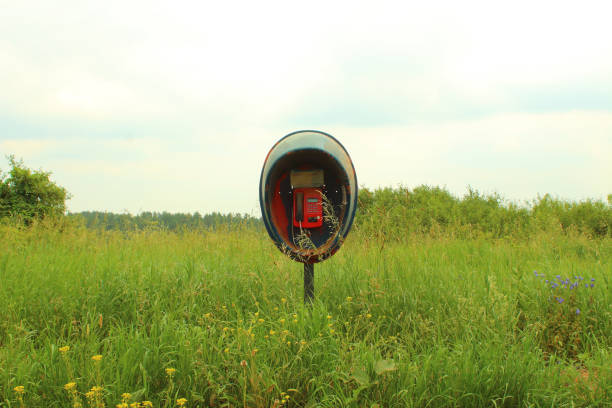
(152,106)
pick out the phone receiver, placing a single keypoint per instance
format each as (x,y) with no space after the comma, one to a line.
(299,206)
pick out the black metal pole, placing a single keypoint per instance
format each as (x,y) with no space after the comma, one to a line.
(308,283)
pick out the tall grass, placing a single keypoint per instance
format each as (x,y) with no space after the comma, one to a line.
(217,318)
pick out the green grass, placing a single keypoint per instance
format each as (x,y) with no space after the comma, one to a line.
(419,322)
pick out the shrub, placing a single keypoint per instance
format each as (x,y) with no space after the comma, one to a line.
(30,194)
(394,213)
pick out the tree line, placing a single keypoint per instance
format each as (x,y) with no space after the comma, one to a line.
(165,220)
(388,213)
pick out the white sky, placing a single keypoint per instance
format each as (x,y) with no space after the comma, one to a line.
(152,106)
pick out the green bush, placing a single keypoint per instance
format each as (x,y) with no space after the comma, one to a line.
(30,194)
(394,213)
(591,217)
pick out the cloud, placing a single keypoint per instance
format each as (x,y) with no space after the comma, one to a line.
(164,105)
(516,155)
(159,59)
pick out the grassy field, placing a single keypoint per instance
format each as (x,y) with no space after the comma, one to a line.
(216,319)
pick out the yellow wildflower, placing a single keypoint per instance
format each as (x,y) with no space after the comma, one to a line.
(122,405)
(126,396)
(170,371)
(260,320)
(282,320)
(97,357)
(19,389)
(368,315)
(181,402)
(295,320)
(329,317)
(272,332)
(283,300)
(226,350)
(135,405)
(70,386)
(349,298)
(256,314)
(64,349)
(147,404)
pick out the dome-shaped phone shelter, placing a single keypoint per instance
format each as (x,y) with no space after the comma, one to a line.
(308,195)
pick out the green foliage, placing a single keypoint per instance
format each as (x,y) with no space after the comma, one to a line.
(29,194)
(397,213)
(591,217)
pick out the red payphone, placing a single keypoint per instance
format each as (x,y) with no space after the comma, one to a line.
(307,198)
(307,208)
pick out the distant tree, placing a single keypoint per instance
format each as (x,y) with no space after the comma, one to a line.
(30,193)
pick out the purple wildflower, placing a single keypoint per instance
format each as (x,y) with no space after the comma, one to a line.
(577,311)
